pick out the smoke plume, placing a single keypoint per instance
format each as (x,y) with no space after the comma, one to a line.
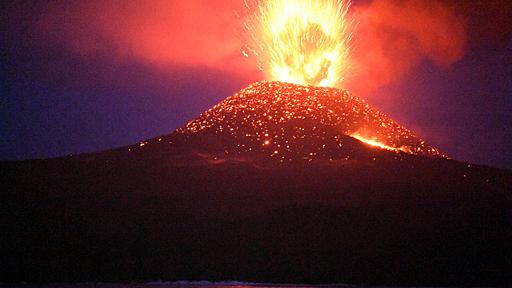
(161,32)
(393,36)
(396,35)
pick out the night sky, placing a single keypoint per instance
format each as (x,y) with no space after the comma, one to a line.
(87,76)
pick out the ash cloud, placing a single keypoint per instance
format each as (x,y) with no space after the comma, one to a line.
(395,36)
(160,32)
(391,39)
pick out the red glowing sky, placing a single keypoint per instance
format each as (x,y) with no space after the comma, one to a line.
(392,36)
(90,75)
(160,32)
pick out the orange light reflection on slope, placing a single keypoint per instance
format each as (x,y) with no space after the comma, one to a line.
(375,143)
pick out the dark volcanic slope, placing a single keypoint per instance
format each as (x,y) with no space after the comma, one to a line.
(210,202)
(288,122)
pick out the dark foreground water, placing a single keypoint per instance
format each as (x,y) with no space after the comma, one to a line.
(159,284)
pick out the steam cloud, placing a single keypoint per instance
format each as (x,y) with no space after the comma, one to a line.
(160,32)
(396,35)
(392,37)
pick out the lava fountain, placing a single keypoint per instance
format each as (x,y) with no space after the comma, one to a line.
(303,42)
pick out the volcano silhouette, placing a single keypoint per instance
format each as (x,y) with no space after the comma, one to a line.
(282,122)
(270,185)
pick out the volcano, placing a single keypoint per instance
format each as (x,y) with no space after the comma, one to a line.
(278,183)
(276,121)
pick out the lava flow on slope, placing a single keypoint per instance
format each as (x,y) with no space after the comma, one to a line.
(290,122)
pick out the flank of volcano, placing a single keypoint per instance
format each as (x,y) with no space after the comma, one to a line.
(289,122)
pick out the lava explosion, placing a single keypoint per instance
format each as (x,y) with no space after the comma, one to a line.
(303,44)
(302,41)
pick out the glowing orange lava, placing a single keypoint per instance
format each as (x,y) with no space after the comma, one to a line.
(301,41)
(375,143)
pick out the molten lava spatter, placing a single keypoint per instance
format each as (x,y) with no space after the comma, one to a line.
(301,41)
(289,122)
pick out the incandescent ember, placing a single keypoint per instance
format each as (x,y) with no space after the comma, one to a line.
(289,122)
